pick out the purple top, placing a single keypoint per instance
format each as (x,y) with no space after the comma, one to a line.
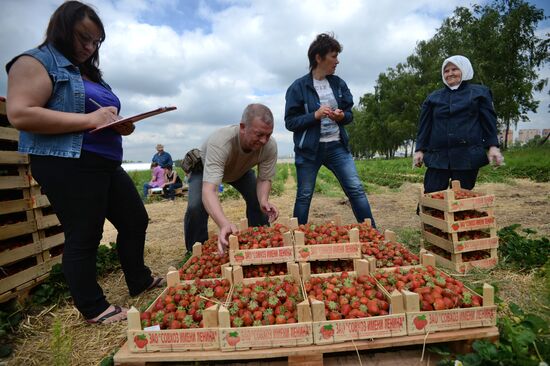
(158,177)
(107,142)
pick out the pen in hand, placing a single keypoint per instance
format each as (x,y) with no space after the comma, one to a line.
(95,103)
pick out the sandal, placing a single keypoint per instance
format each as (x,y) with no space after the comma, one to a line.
(158,282)
(107,316)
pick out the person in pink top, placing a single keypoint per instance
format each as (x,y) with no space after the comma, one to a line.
(157,179)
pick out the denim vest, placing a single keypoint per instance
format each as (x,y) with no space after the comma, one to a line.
(67,96)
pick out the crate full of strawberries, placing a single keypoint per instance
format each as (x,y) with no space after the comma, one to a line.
(265,313)
(435,301)
(352,306)
(184,316)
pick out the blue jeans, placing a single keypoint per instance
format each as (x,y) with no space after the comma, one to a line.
(195,222)
(169,191)
(339,161)
(146,187)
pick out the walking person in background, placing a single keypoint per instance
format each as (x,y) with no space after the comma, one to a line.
(457,134)
(52,95)
(157,179)
(318,105)
(172,181)
(161,157)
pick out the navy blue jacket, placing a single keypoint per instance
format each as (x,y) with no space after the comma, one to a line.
(456,127)
(301,103)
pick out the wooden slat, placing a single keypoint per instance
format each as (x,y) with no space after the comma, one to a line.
(12,255)
(13,157)
(53,241)
(9,133)
(15,181)
(7,207)
(19,278)
(3,107)
(125,357)
(20,228)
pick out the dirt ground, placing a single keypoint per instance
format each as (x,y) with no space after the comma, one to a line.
(523,202)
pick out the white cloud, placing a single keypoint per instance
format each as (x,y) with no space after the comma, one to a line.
(248,51)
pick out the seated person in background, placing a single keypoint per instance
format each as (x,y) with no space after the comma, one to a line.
(157,179)
(172,181)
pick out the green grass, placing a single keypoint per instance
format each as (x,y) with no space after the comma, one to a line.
(530,162)
(527,162)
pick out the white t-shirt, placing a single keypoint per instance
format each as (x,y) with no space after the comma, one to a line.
(329,128)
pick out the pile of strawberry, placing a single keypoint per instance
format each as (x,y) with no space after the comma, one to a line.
(182,306)
(327,233)
(265,302)
(366,233)
(208,265)
(436,290)
(263,270)
(458,216)
(347,297)
(459,195)
(475,255)
(318,267)
(389,254)
(462,236)
(262,237)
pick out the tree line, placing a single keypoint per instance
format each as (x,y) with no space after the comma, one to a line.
(501,42)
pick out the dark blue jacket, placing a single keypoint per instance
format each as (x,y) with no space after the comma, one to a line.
(301,103)
(456,127)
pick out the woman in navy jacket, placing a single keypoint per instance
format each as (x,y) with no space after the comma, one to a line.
(318,105)
(457,133)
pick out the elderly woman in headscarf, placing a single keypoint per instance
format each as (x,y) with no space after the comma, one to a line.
(457,133)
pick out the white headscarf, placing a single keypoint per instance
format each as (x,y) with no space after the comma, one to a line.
(463,64)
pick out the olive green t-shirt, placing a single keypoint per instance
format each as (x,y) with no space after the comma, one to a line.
(225,161)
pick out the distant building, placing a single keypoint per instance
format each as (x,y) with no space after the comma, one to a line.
(510,137)
(527,134)
(545,132)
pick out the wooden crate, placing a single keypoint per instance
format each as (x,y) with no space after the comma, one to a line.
(455,246)
(450,203)
(303,355)
(424,322)
(242,257)
(175,340)
(266,336)
(390,240)
(304,253)
(458,264)
(335,331)
(197,253)
(450,224)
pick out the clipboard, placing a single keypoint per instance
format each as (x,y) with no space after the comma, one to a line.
(135,118)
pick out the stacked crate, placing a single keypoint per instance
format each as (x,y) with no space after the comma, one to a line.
(31,239)
(459,228)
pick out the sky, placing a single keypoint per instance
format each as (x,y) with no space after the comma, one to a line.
(211,58)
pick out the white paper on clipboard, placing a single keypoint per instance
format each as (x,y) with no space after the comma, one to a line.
(137,117)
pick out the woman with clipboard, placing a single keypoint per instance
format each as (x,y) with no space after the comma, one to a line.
(50,93)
